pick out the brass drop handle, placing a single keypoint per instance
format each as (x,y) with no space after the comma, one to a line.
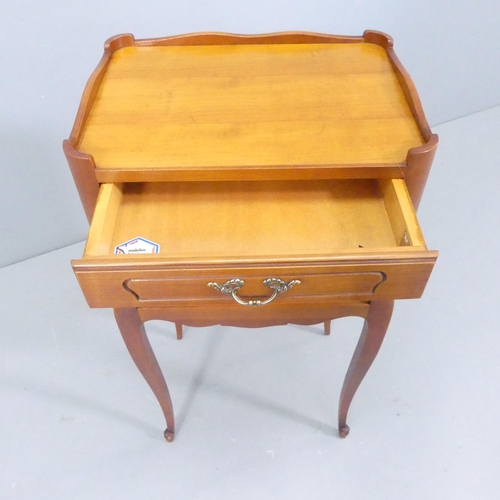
(230,287)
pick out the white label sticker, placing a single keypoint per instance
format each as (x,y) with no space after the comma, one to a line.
(137,246)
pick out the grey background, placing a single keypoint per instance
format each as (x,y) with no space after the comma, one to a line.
(50,48)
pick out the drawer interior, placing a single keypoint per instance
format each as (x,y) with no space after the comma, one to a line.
(285,219)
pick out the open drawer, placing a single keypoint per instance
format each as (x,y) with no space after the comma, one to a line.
(343,240)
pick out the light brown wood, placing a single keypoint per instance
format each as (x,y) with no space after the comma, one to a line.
(251,105)
(311,153)
(91,89)
(224,220)
(101,231)
(402,217)
(410,92)
(340,238)
(242,173)
(416,159)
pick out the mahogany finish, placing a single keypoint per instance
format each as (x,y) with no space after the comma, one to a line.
(280,171)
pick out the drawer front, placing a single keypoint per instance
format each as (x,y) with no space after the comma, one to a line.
(139,285)
(253,288)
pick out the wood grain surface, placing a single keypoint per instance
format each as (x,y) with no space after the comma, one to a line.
(313,150)
(249,105)
(244,220)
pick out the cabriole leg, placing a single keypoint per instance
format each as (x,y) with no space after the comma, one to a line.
(133,333)
(372,335)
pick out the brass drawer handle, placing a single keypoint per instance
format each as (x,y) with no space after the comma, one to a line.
(232,286)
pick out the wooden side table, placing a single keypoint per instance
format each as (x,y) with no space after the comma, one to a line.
(251,181)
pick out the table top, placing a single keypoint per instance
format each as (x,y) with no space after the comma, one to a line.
(249,105)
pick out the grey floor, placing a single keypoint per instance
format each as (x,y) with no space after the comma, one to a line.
(256,408)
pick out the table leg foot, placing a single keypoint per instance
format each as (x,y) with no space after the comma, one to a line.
(372,336)
(344,431)
(169,435)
